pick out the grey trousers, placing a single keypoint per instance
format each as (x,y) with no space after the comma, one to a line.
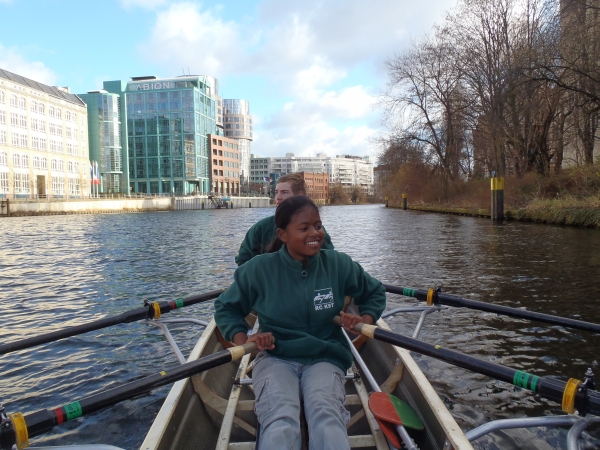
(280,385)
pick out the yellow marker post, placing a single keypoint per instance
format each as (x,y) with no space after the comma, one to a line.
(404,201)
(497,212)
(386,201)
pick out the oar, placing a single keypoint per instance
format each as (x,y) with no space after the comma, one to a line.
(16,429)
(572,395)
(390,412)
(434,297)
(152,310)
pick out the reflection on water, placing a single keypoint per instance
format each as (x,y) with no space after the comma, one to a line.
(59,271)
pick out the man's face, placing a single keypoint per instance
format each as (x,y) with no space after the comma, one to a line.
(283,191)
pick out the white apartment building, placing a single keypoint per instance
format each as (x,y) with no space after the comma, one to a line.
(43,140)
(260,168)
(345,169)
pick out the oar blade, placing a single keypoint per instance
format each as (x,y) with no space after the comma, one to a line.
(389,432)
(389,408)
(409,417)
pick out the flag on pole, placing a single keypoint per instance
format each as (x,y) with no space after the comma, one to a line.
(96,175)
(268,179)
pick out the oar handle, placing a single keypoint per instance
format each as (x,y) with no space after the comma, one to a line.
(362,328)
(44,420)
(568,394)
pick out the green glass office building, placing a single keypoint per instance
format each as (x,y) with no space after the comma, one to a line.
(105,133)
(164,127)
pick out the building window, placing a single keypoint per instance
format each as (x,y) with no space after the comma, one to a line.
(33,106)
(21,183)
(3,159)
(43,163)
(2,117)
(74,186)
(58,115)
(41,108)
(22,103)
(215,172)
(1,97)
(58,185)
(22,121)
(51,111)
(220,172)
(2,137)
(68,116)
(13,100)
(3,181)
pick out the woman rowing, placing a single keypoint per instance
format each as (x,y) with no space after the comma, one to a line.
(296,290)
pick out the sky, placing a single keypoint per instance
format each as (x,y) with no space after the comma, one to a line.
(312,70)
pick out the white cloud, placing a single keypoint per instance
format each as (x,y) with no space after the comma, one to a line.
(324,58)
(186,37)
(13,61)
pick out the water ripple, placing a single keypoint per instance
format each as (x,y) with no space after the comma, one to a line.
(60,271)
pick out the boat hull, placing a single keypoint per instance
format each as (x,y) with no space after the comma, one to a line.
(192,415)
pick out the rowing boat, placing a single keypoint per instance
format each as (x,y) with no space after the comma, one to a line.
(215,409)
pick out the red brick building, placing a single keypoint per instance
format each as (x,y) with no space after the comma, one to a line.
(317,186)
(224,165)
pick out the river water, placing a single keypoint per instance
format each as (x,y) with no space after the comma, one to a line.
(58,271)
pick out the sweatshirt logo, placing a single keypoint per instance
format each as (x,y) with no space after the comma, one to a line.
(323,299)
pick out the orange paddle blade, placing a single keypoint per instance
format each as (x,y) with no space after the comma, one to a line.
(389,431)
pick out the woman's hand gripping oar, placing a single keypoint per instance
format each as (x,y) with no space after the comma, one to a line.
(390,412)
(16,429)
(573,395)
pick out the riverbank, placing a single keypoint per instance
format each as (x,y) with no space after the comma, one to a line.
(554,212)
(45,207)
(570,198)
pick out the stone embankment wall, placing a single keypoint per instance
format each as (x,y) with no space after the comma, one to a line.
(123,205)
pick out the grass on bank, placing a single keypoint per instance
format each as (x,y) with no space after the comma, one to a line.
(570,198)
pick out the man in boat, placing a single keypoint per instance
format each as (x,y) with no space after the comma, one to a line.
(262,233)
(296,290)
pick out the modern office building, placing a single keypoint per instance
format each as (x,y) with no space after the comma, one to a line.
(260,168)
(214,84)
(347,170)
(43,140)
(165,123)
(224,165)
(238,126)
(104,125)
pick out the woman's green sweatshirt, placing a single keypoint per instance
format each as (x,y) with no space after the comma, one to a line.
(297,304)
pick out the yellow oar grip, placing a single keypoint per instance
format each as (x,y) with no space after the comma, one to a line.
(156,308)
(430,294)
(568,400)
(20,430)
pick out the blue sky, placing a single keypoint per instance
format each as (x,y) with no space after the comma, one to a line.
(312,70)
